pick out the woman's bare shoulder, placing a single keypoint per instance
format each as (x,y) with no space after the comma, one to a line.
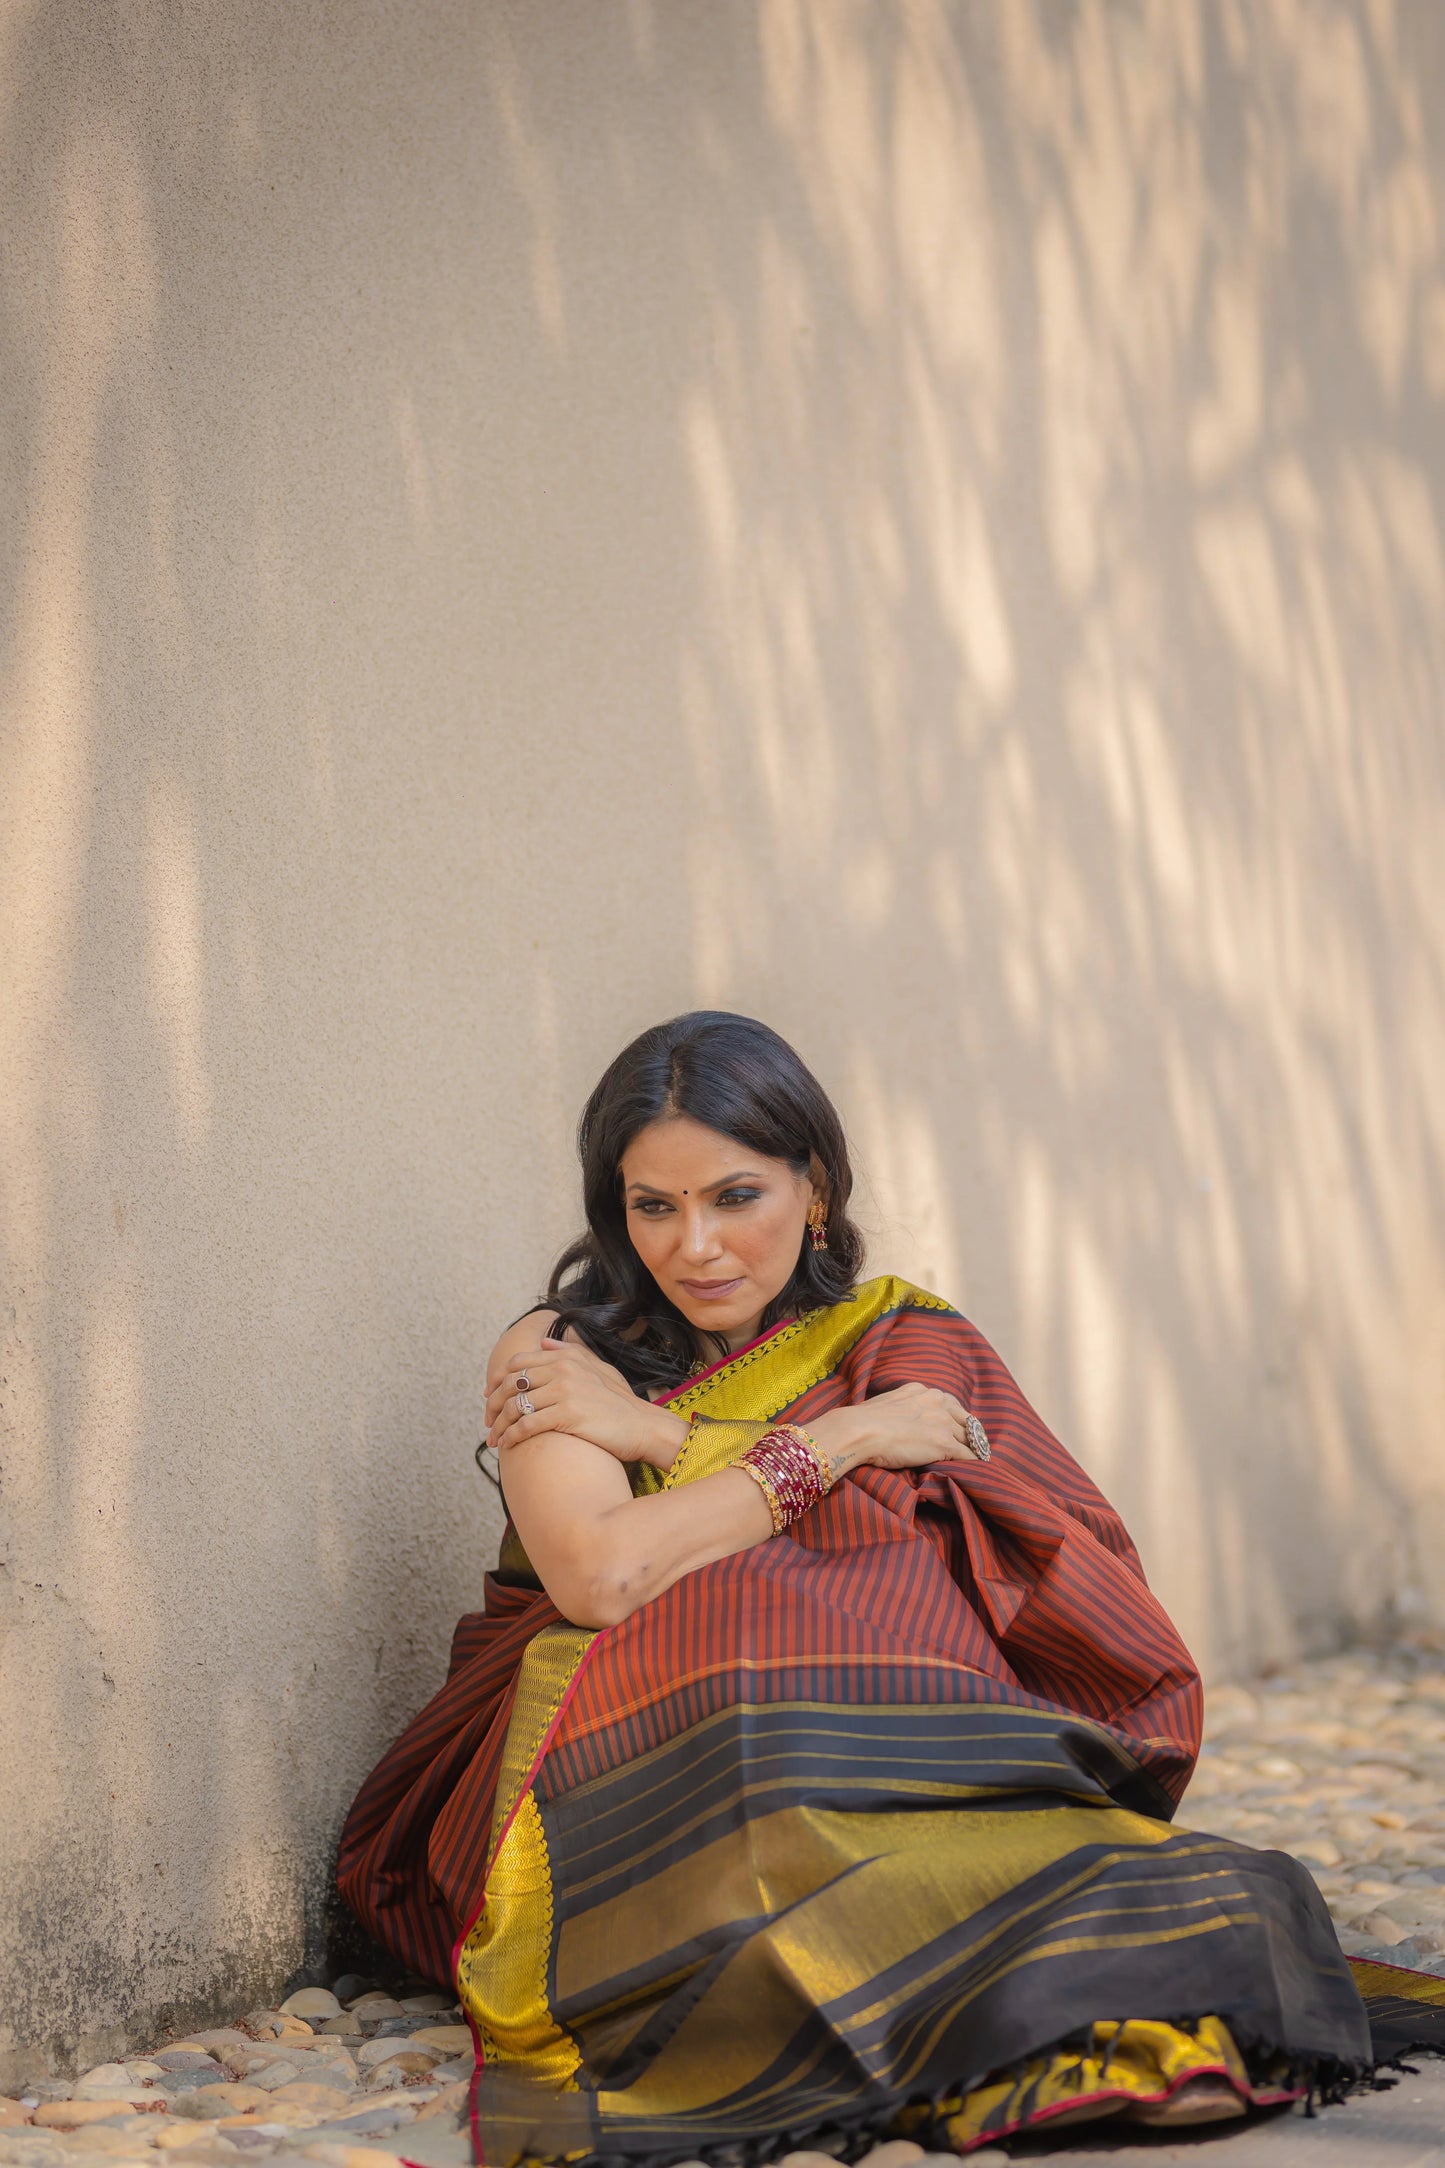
(523,1338)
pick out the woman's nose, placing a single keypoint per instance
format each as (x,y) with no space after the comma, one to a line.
(699,1233)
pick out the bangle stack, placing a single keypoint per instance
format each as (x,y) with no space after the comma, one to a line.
(790,1470)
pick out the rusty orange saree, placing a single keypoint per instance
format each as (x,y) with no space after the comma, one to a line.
(865,1829)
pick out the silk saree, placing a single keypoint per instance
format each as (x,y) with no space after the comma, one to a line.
(864,1830)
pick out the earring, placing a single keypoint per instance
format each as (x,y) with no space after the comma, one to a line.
(818,1224)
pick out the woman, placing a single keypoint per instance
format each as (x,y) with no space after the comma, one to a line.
(810,1769)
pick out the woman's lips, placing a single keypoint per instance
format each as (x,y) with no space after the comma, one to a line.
(710,1290)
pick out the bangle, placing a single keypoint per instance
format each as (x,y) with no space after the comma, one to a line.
(790,1470)
(760,1476)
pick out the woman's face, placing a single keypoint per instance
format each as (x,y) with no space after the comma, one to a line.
(718,1226)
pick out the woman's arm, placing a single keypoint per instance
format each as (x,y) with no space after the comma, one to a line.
(598,1551)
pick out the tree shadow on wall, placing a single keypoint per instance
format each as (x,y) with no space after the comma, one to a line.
(919,522)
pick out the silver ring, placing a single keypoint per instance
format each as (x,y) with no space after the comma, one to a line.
(524,1404)
(977,1437)
(524,1383)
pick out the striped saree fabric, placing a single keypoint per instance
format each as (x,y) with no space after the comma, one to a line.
(866,1829)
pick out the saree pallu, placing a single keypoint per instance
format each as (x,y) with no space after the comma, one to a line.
(865,1829)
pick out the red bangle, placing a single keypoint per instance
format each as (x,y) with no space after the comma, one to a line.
(790,1470)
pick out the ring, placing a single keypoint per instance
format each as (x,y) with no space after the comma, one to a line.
(977,1437)
(524,1383)
(524,1404)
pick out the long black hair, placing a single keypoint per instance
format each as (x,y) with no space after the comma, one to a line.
(739,1078)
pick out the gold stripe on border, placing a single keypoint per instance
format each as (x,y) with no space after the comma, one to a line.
(1377,1980)
(502,1963)
(867,1939)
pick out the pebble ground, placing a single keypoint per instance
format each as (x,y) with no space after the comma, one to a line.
(1340,1761)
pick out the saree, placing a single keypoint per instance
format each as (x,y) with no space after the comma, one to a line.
(865,1830)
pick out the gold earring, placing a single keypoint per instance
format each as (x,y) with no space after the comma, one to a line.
(818,1224)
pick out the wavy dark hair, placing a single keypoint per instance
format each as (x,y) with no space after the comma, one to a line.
(733,1075)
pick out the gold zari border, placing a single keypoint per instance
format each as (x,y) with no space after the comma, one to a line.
(502,1963)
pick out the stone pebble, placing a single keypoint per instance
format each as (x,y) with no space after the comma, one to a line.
(368,2122)
(446,2039)
(371,2010)
(312,2003)
(458,2070)
(216,2101)
(372,2054)
(72,2114)
(448,2100)
(400,2070)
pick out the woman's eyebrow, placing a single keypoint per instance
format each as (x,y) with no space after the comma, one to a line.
(645,1189)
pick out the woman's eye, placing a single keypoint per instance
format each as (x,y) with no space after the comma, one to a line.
(738,1196)
(652,1207)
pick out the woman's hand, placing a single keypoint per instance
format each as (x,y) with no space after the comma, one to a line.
(910,1427)
(571,1389)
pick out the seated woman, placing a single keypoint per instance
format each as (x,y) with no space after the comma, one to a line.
(810,1769)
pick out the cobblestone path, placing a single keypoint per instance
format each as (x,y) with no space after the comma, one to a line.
(1340,1761)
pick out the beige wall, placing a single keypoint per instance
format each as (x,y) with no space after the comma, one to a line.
(919,521)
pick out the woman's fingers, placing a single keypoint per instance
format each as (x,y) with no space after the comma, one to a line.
(945,1424)
(499,1388)
(522,1428)
(503,1396)
(964,1445)
(537,1367)
(507,1405)
(519,1424)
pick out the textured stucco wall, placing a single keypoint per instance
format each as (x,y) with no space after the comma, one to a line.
(922,522)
